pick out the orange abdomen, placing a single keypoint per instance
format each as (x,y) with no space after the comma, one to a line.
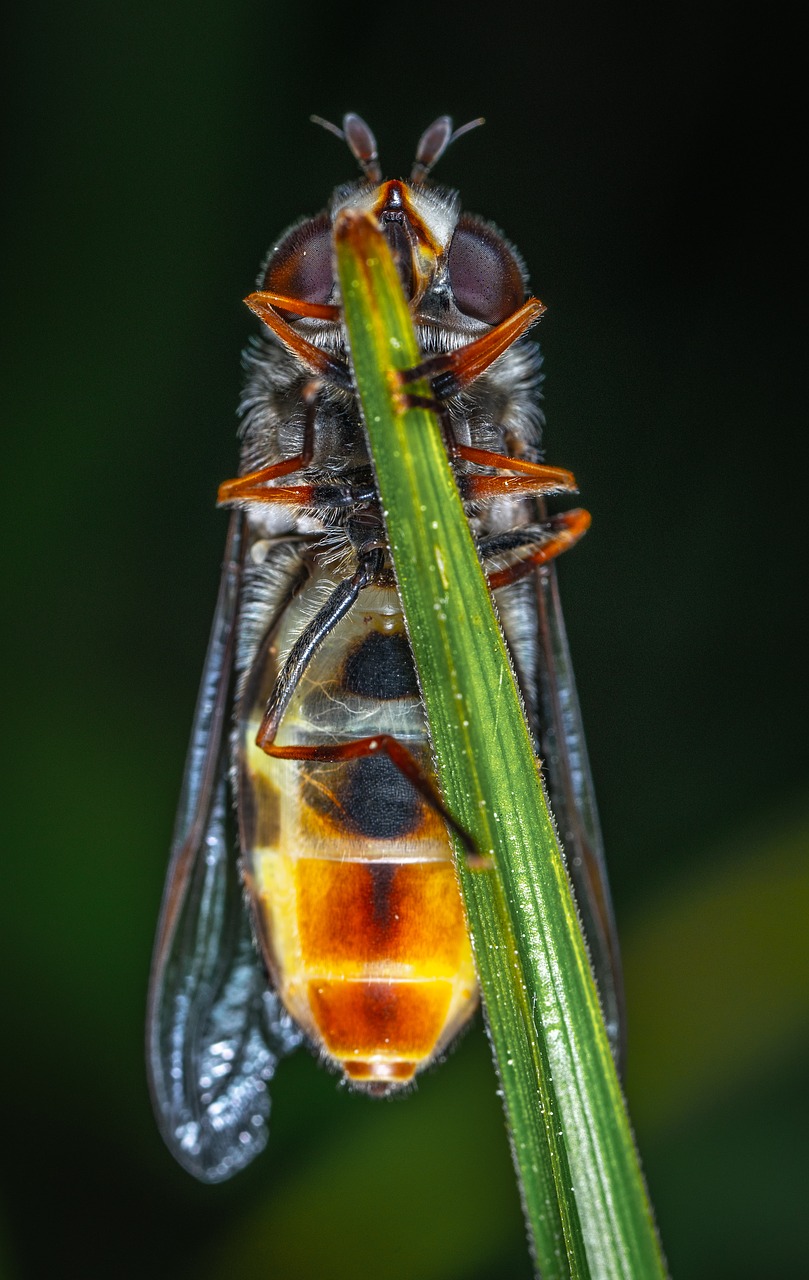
(354,891)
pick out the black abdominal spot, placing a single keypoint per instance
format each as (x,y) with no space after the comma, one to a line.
(383,898)
(381,666)
(378,802)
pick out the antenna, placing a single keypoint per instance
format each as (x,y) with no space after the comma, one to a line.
(361,142)
(434,142)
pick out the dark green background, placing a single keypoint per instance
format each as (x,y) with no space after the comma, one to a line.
(640,157)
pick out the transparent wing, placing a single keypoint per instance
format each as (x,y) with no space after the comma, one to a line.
(567,774)
(214,1031)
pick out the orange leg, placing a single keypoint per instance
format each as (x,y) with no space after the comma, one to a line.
(453,370)
(297,306)
(324,497)
(543,480)
(557,476)
(359,748)
(341,600)
(537,546)
(249,486)
(486,488)
(534,478)
(321,362)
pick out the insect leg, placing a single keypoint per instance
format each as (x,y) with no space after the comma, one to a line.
(297,306)
(451,371)
(300,655)
(533,477)
(321,362)
(543,479)
(323,497)
(245,486)
(531,546)
(409,400)
(336,607)
(558,477)
(405,762)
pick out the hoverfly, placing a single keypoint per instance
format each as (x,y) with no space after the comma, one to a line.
(353,936)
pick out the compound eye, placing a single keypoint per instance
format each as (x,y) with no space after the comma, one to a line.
(485,276)
(300,266)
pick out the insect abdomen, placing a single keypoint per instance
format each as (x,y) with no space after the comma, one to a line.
(350,870)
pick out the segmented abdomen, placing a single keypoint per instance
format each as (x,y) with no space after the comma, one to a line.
(350,871)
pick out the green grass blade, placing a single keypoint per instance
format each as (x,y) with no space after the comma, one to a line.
(580,1177)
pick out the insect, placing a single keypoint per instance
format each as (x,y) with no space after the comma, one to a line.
(340,920)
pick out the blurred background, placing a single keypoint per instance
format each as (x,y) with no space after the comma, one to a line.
(640,157)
